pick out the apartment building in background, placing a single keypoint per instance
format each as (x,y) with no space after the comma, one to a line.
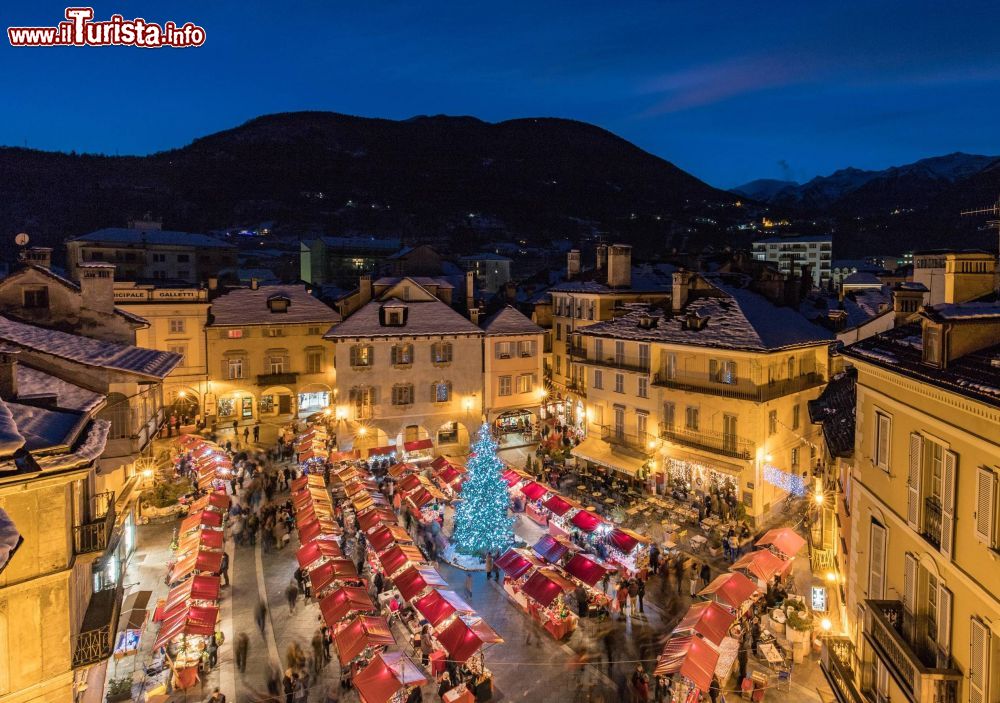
(792,253)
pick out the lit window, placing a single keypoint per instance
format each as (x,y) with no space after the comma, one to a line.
(505,386)
(234,334)
(177,326)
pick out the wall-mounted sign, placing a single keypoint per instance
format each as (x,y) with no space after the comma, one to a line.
(819,599)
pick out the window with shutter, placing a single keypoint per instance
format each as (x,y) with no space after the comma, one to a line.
(986,504)
(883,436)
(979,674)
(944,626)
(909,587)
(948,503)
(876,562)
(913,480)
(713,370)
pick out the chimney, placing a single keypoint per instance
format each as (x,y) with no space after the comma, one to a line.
(97,286)
(681,281)
(213,283)
(619,266)
(602,257)
(572,264)
(470,290)
(39,256)
(365,289)
(474,315)
(510,292)
(8,372)
(254,284)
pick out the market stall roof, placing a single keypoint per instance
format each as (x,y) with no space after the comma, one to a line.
(732,589)
(324,575)
(599,452)
(202,518)
(403,467)
(399,556)
(201,587)
(587,569)
(360,633)
(313,530)
(418,444)
(216,500)
(550,548)
(545,584)
(384,536)
(192,620)
(382,451)
(626,540)
(586,520)
(409,482)
(200,560)
(511,477)
(516,563)
(386,675)
(784,539)
(762,563)
(207,539)
(135,610)
(350,455)
(376,517)
(708,619)
(439,605)
(690,656)
(449,475)
(558,505)
(534,490)
(412,582)
(345,602)
(465,636)
(311,552)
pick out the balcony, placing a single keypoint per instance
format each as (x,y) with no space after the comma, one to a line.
(619,438)
(719,442)
(96,639)
(932,521)
(840,666)
(741,388)
(93,536)
(622,364)
(918,672)
(286,378)
(579,353)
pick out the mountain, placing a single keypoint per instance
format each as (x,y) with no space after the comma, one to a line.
(763,189)
(468,181)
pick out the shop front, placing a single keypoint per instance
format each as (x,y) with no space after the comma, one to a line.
(515,428)
(235,406)
(276,401)
(313,401)
(568,411)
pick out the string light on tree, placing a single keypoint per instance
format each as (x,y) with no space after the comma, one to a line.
(481,521)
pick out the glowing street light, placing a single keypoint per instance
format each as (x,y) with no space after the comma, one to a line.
(826,624)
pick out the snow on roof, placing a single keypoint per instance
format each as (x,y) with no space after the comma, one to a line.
(425,281)
(361,243)
(162,237)
(964,311)
(87,351)
(90,449)
(10,439)
(245,306)
(484,256)
(32,383)
(132,317)
(644,278)
(862,278)
(427,317)
(508,320)
(912,285)
(43,428)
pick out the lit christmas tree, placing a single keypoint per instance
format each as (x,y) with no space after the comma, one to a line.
(481,521)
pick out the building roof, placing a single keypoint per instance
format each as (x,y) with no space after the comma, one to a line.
(425,317)
(131,317)
(975,375)
(963,311)
(425,281)
(645,278)
(347,243)
(862,278)
(158,237)
(87,351)
(246,306)
(796,238)
(735,318)
(485,256)
(33,383)
(834,410)
(509,321)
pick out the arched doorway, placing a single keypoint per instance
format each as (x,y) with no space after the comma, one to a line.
(276,401)
(453,434)
(313,398)
(183,403)
(362,437)
(516,428)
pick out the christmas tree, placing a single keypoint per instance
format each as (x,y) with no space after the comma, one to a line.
(481,521)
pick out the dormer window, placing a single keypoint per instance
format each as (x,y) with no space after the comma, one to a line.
(932,345)
(278,303)
(393,315)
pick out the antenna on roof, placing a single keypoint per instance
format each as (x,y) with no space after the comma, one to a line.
(993,209)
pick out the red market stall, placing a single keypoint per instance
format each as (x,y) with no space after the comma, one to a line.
(439,605)
(708,619)
(203,519)
(628,548)
(205,539)
(402,468)
(733,590)
(415,580)
(534,490)
(201,561)
(200,588)
(373,518)
(783,539)
(350,455)
(345,602)
(515,563)
(384,536)
(398,557)
(763,564)
(587,569)
(692,660)
(189,621)
(586,520)
(364,632)
(317,551)
(331,573)
(551,549)
(419,450)
(387,450)
(216,500)
(388,678)
(541,597)
(465,636)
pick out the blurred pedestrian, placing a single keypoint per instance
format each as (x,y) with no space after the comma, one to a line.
(291,595)
(242,646)
(258,615)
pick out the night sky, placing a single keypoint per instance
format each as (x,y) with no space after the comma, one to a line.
(727,91)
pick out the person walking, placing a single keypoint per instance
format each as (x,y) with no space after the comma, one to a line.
(213,653)
(319,658)
(224,568)
(693,580)
(706,574)
(468,583)
(633,596)
(679,572)
(217,697)
(256,434)
(640,685)
(641,593)
(713,689)
(246,435)
(258,615)
(622,597)
(242,646)
(489,565)
(291,595)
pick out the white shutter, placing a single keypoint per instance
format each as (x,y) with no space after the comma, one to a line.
(944,621)
(913,480)
(883,432)
(948,503)
(713,370)
(909,583)
(876,562)
(986,505)
(979,674)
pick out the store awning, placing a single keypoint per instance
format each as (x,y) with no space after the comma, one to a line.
(449,475)
(374,518)
(384,536)
(690,656)
(732,589)
(762,563)
(201,519)
(202,587)
(550,549)
(586,521)
(387,674)
(439,605)
(412,582)
(465,636)
(311,552)
(345,602)
(193,620)
(558,505)
(400,556)
(382,451)
(516,563)
(784,539)
(626,540)
(708,619)
(587,569)
(360,633)
(201,560)
(712,462)
(216,500)
(206,539)
(545,584)
(418,444)
(403,467)
(598,451)
(135,610)
(534,490)
(329,572)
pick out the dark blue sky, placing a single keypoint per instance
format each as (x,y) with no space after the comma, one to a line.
(728,91)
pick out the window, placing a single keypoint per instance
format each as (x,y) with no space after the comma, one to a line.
(362,398)
(791,367)
(394,317)
(234,334)
(177,325)
(668,365)
(526,348)
(117,412)
(314,361)
(502,350)
(883,437)
(183,258)
(276,364)
(402,354)
(180,350)
(795,457)
(598,379)
(402,394)
(235,368)
(441,392)
(362,355)
(795,416)
(932,345)
(641,420)
(525,383)
(599,349)
(441,352)
(157,258)
(619,353)
(691,418)
(619,383)
(643,387)
(558,331)
(979,663)
(644,357)
(312,330)
(986,506)
(669,415)
(558,363)
(505,386)
(36,297)
(722,371)
(274,332)
(876,561)
(772,422)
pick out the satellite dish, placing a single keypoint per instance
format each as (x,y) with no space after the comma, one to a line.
(21,239)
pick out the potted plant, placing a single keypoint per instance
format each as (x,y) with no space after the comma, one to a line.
(119,689)
(798,626)
(714,545)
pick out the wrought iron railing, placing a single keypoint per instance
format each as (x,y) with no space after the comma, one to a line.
(95,644)
(741,389)
(612,362)
(619,438)
(932,521)
(839,663)
(719,442)
(93,536)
